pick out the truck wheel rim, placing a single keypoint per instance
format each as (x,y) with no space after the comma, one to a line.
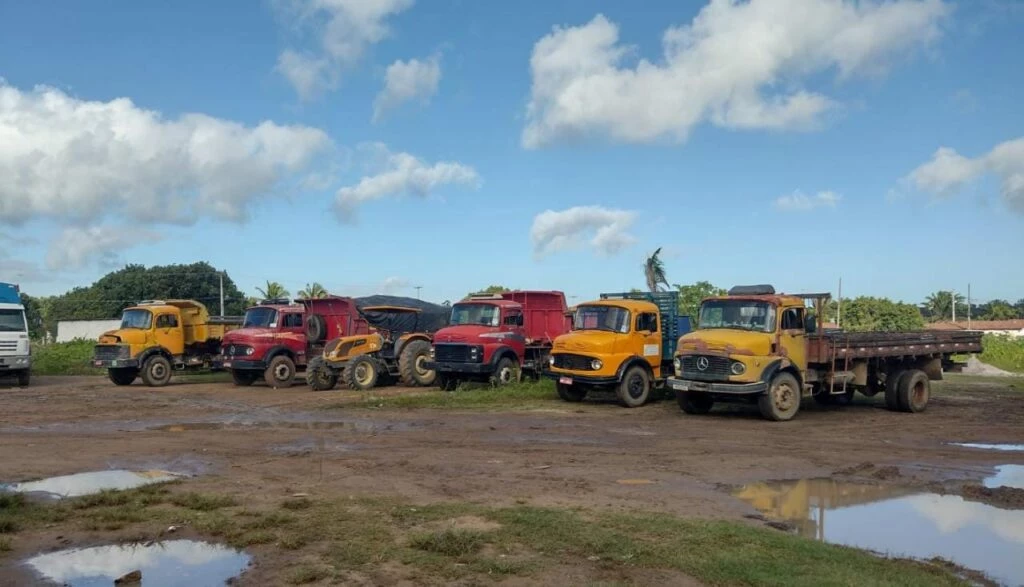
(919,395)
(782,397)
(636,387)
(282,372)
(363,374)
(158,370)
(505,376)
(418,365)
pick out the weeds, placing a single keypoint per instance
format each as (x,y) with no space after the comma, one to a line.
(1003,352)
(454,543)
(64,358)
(202,503)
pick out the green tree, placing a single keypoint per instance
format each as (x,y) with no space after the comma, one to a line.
(654,272)
(313,292)
(880,314)
(33,315)
(999,310)
(939,305)
(272,291)
(490,289)
(691,295)
(1020,308)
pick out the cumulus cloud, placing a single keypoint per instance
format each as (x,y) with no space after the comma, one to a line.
(401,174)
(75,160)
(76,247)
(394,284)
(948,172)
(406,81)
(736,65)
(606,228)
(801,201)
(341,31)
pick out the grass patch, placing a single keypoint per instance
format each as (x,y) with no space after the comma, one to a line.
(1003,352)
(201,502)
(525,395)
(454,543)
(297,503)
(308,574)
(5,544)
(64,358)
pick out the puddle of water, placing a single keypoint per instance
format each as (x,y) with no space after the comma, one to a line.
(1007,476)
(91,482)
(897,523)
(163,564)
(981,445)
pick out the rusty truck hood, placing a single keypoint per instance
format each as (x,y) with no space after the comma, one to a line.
(124,335)
(726,342)
(587,341)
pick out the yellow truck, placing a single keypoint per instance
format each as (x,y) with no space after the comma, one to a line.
(158,337)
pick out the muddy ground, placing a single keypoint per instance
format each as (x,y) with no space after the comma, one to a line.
(259,444)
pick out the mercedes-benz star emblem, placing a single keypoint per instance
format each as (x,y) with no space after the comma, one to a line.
(702,363)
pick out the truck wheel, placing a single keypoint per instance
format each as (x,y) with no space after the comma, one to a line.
(410,364)
(361,373)
(635,387)
(447,382)
(280,373)
(694,402)
(571,393)
(892,389)
(24,377)
(782,400)
(244,378)
(505,373)
(319,376)
(914,391)
(316,328)
(156,371)
(122,376)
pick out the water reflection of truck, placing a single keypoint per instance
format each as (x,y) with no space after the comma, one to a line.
(622,342)
(498,338)
(15,347)
(158,337)
(756,346)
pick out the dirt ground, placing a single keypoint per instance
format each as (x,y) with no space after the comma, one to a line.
(258,444)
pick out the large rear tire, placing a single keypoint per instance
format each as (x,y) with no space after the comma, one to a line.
(782,400)
(571,393)
(635,387)
(319,376)
(244,377)
(694,402)
(361,373)
(24,378)
(505,373)
(280,373)
(156,371)
(914,392)
(892,389)
(410,364)
(122,376)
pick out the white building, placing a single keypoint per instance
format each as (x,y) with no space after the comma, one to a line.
(68,330)
(1014,328)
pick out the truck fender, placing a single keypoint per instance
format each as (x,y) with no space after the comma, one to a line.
(406,340)
(278,350)
(780,365)
(146,354)
(629,362)
(502,352)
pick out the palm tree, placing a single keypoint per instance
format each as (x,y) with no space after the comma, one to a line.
(273,291)
(654,272)
(940,305)
(313,292)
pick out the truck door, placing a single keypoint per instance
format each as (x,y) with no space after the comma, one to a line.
(793,337)
(512,323)
(647,329)
(168,333)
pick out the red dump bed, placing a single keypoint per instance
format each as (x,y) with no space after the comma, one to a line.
(544,314)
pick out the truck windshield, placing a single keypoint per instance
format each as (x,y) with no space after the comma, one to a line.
(738,314)
(479,314)
(609,318)
(12,321)
(260,318)
(141,319)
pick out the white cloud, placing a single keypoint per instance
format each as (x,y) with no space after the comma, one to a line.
(568,229)
(949,172)
(801,201)
(75,160)
(341,31)
(75,247)
(401,174)
(737,65)
(406,81)
(393,284)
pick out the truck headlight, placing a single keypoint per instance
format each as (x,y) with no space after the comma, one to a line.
(474,353)
(596,365)
(551,360)
(678,364)
(738,368)
(431,352)
(250,351)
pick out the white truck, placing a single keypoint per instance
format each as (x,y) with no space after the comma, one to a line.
(15,351)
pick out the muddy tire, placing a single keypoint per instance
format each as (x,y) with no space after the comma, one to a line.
(280,373)
(244,377)
(122,376)
(506,373)
(156,371)
(635,387)
(914,391)
(410,364)
(361,373)
(571,393)
(782,400)
(24,378)
(892,389)
(319,376)
(694,402)
(447,382)
(316,328)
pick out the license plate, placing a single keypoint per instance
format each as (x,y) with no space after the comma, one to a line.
(226,363)
(565,380)
(679,385)
(98,363)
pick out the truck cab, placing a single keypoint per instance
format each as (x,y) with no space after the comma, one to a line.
(15,347)
(621,342)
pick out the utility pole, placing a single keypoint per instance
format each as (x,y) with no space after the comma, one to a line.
(968,306)
(417,288)
(221,275)
(839,305)
(952,295)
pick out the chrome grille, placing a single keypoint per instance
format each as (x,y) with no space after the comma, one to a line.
(572,362)
(110,352)
(714,368)
(451,353)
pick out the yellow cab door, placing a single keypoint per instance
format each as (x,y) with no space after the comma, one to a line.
(793,336)
(168,332)
(647,332)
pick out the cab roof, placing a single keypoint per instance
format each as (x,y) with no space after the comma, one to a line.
(622,303)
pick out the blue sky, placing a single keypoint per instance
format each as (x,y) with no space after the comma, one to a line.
(631,145)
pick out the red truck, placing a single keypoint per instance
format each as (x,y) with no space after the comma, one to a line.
(278,337)
(498,337)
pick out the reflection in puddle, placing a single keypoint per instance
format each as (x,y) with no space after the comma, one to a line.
(1006,447)
(1007,476)
(91,482)
(175,562)
(889,520)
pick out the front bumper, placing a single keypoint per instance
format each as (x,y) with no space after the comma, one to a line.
(239,364)
(571,378)
(448,367)
(15,363)
(678,384)
(115,363)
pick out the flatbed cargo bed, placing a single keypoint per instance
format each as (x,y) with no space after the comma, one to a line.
(839,345)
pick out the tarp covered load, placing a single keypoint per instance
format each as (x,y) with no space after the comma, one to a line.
(429,318)
(9,294)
